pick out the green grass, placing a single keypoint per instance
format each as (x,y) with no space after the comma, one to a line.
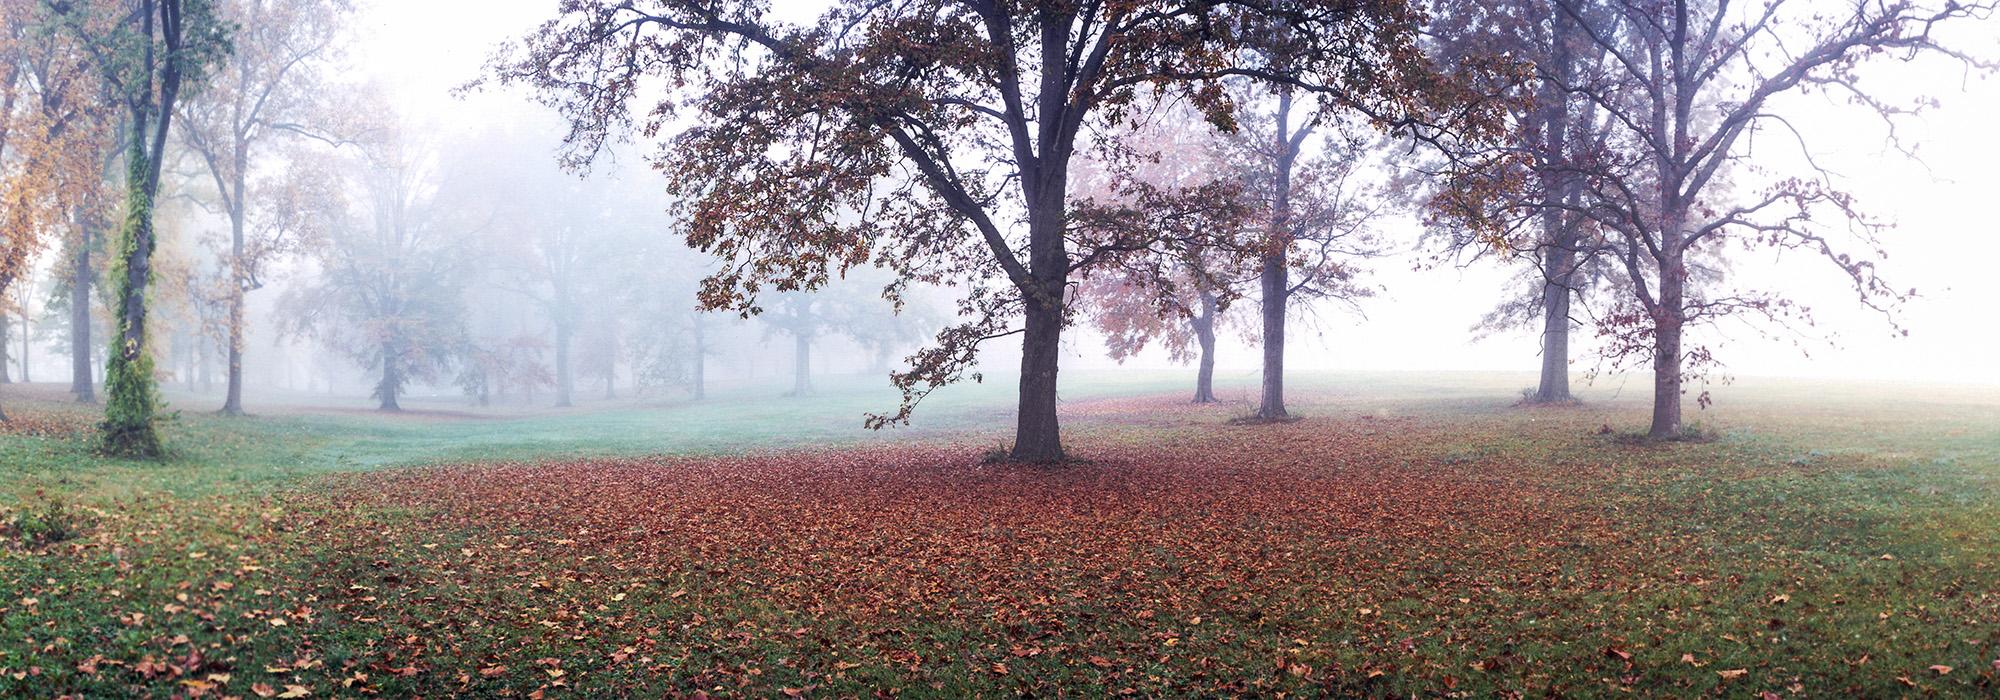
(1830,522)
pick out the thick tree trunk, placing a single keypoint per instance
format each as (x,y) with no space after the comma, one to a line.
(131,394)
(1669,316)
(801,364)
(1668,321)
(1037,435)
(565,381)
(1559,274)
(1037,431)
(392,380)
(1204,335)
(80,345)
(26,332)
(1558,240)
(1275,282)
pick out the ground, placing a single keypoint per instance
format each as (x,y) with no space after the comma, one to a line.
(1413,535)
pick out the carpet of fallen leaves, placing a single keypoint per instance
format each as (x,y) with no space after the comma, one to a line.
(1352,555)
(1134,571)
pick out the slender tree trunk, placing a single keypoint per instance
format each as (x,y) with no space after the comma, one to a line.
(1559,273)
(392,379)
(80,346)
(1274,281)
(565,382)
(26,331)
(203,367)
(700,360)
(610,378)
(6,325)
(801,364)
(1204,335)
(232,404)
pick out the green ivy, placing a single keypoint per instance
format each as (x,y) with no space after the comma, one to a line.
(132,409)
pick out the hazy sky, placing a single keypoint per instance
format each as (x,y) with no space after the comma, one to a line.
(1945,244)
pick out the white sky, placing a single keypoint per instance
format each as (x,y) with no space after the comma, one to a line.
(1945,244)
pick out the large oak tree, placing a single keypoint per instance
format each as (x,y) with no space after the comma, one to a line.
(933,137)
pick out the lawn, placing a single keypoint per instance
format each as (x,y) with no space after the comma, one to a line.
(1413,535)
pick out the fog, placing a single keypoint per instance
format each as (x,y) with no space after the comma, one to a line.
(531,258)
(1942,244)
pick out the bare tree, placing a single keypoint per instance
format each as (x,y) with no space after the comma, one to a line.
(270,88)
(1686,86)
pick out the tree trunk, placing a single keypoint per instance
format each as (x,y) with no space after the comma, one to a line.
(26,332)
(801,364)
(1204,334)
(700,360)
(80,345)
(1274,281)
(203,368)
(129,429)
(565,382)
(1558,239)
(1668,321)
(1559,260)
(1669,316)
(1037,435)
(6,325)
(232,404)
(392,380)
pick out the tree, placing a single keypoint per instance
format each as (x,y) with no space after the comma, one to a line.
(1534,218)
(52,128)
(1687,85)
(933,138)
(1320,207)
(492,367)
(554,242)
(147,56)
(267,90)
(1176,300)
(843,308)
(389,290)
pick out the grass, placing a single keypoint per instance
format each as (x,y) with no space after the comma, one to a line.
(1413,534)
